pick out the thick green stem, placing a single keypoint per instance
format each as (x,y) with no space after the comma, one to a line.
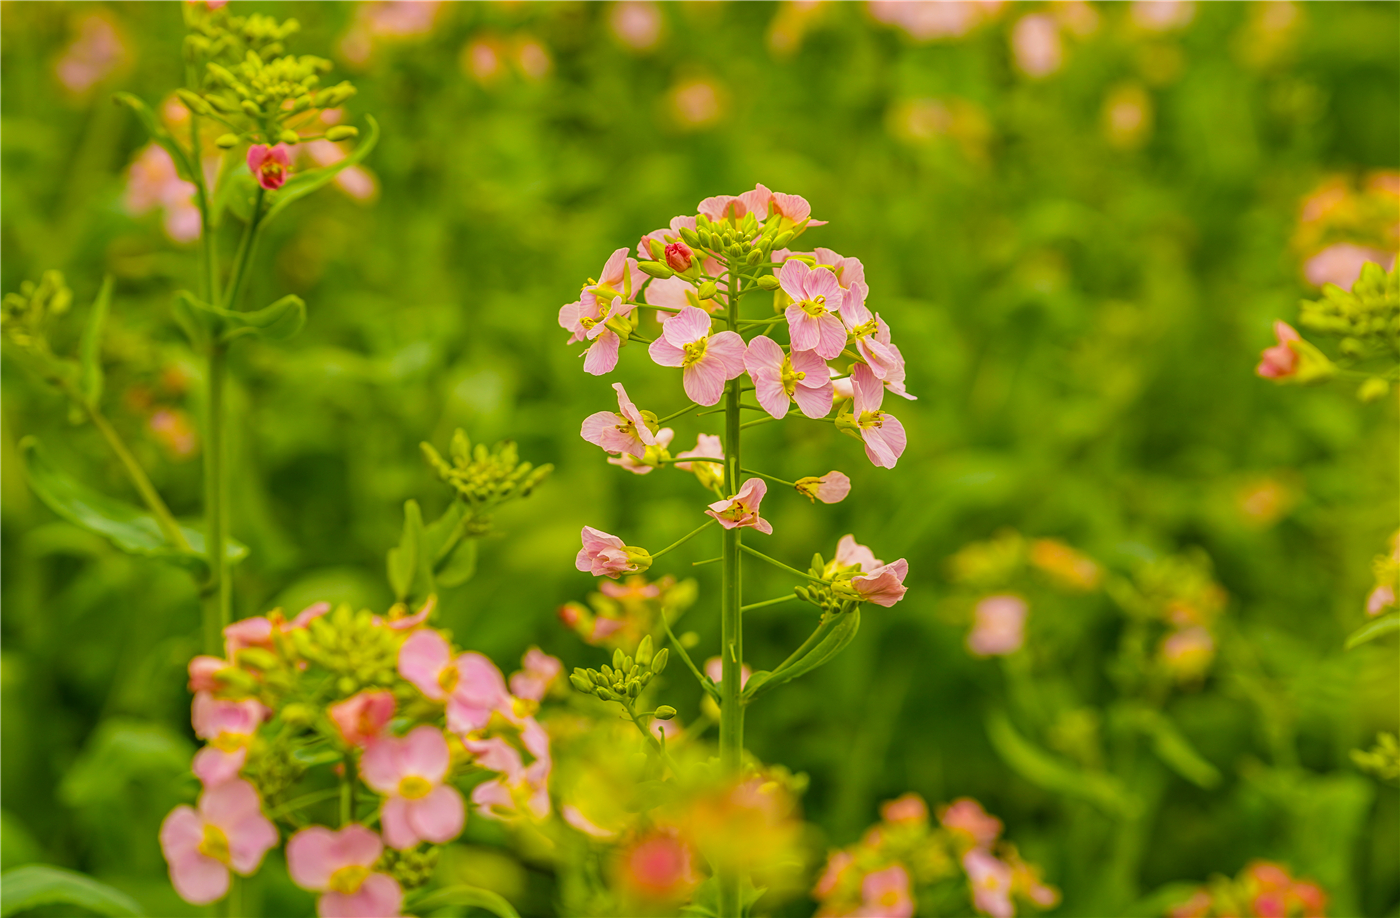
(218,595)
(731,719)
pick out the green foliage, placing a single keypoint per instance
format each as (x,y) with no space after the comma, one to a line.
(37,885)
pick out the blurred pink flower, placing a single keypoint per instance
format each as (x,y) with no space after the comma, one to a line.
(521,790)
(225,830)
(836,865)
(1341,264)
(780,379)
(885,894)
(882,432)
(226,724)
(999,625)
(361,718)
(1280,361)
(966,816)
(1035,43)
(742,509)
(97,53)
(204,671)
(708,360)
(1163,15)
(269,165)
(482,58)
(812,323)
(153,182)
(539,671)
(925,20)
(621,431)
(410,772)
(636,23)
(907,808)
(471,685)
(697,103)
(532,58)
(340,866)
(214,766)
(1381,598)
(714,668)
(1188,652)
(356,181)
(990,880)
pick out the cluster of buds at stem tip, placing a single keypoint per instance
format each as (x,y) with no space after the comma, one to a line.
(625,679)
(485,477)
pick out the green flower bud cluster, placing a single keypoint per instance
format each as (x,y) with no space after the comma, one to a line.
(274,768)
(744,243)
(1382,760)
(1367,318)
(24,315)
(625,679)
(412,868)
(352,648)
(486,478)
(832,597)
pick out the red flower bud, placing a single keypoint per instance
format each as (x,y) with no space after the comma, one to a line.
(678,257)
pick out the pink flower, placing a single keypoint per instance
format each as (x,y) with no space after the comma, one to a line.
(707,446)
(361,718)
(214,766)
(520,790)
(204,673)
(850,553)
(153,181)
(269,165)
(1035,42)
(649,462)
(812,323)
(872,340)
(621,431)
(830,488)
(885,894)
(224,830)
(731,207)
(607,299)
(339,865)
(1381,598)
(999,626)
(884,585)
(539,672)
(1341,264)
(778,378)
(1188,652)
(679,257)
(990,880)
(604,555)
(398,621)
(908,808)
(471,684)
(714,668)
(636,23)
(97,53)
(658,867)
(836,865)
(248,632)
(226,724)
(410,772)
(1280,361)
(709,361)
(742,509)
(850,274)
(966,815)
(882,432)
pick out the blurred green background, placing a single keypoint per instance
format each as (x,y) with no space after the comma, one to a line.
(1079,267)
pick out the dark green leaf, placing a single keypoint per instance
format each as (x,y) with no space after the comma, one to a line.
(303,183)
(1045,770)
(840,634)
(90,350)
(1375,628)
(128,528)
(158,133)
(403,560)
(471,896)
(1176,750)
(37,885)
(459,566)
(204,324)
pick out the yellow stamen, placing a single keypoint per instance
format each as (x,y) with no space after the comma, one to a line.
(414,787)
(815,308)
(694,351)
(348,880)
(448,678)
(214,844)
(872,419)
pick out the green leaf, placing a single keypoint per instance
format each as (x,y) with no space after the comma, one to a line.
(303,183)
(204,324)
(1376,627)
(704,903)
(841,633)
(127,527)
(37,885)
(403,560)
(90,350)
(471,896)
(459,566)
(158,133)
(1053,774)
(1174,749)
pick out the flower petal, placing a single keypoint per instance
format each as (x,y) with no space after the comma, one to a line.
(438,817)
(704,381)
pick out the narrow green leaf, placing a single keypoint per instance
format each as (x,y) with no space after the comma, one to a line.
(204,324)
(158,133)
(1376,627)
(471,896)
(459,566)
(127,527)
(37,885)
(1176,751)
(403,560)
(90,350)
(1053,774)
(842,632)
(303,183)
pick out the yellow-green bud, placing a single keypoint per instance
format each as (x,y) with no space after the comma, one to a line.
(644,651)
(1373,389)
(299,715)
(193,102)
(754,257)
(783,239)
(768,282)
(289,136)
(226,141)
(580,683)
(690,237)
(251,108)
(257,658)
(658,662)
(707,290)
(342,132)
(665,712)
(656,269)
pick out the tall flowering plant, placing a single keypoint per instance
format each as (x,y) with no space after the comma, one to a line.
(820,353)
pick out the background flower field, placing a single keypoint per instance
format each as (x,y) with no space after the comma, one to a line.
(1081,220)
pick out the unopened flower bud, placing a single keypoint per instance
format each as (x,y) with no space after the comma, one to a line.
(1373,389)
(658,662)
(619,660)
(768,282)
(226,141)
(299,715)
(257,658)
(580,683)
(665,712)
(783,239)
(754,257)
(707,290)
(634,689)
(289,136)
(657,248)
(251,108)
(342,132)
(679,257)
(644,651)
(599,679)
(655,269)
(690,237)
(194,102)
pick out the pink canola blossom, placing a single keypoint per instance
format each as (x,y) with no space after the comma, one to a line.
(882,432)
(998,626)
(908,808)
(340,866)
(621,431)
(885,894)
(813,324)
(539,671)
(1280,361)
(830,488)
(741,510)
(361,718)
(604,555)
(214,766)
(709,361)
(990,879)
(269,165)
(966,815)
(226,724)
(520,790)
(649,462)
(707,446)
(779,379)
(410,773)
(471,684)
(884,586)
(608,298)
(204,673)
(850,553)
(1341,264)
(225,830)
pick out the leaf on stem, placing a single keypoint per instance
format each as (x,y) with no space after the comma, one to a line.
(90,377)
(470,896)
(1051,773)
(1175,750)
(37,885)
(1375,628)
(204,324)
(127,527)
(403,560)
(158,133)
(303,183)
(840,635)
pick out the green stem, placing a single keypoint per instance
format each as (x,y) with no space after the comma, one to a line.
(683,539)
(805,575)
(347,791)
(233,902)
(675,414)
(707,561)
(817,634)
(769,602)
(731,719)
(773,478)
(704,680)
(208,273)
(245,251)
(304,800)
(218,604)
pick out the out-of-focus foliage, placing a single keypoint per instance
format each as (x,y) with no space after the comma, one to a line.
(1081,245)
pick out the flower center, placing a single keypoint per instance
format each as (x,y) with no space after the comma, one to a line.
(272,170)
(348,880)
(815,308)
(448,678)
(864,329)
(229,742)
(214,844)
(626,426)
(791,377)
(694,351)
(588,322)
(414,787)
(871,419)
(737,511)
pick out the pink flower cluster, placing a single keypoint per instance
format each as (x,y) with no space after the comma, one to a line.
(274,667)
(1262,890)
(878,876)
